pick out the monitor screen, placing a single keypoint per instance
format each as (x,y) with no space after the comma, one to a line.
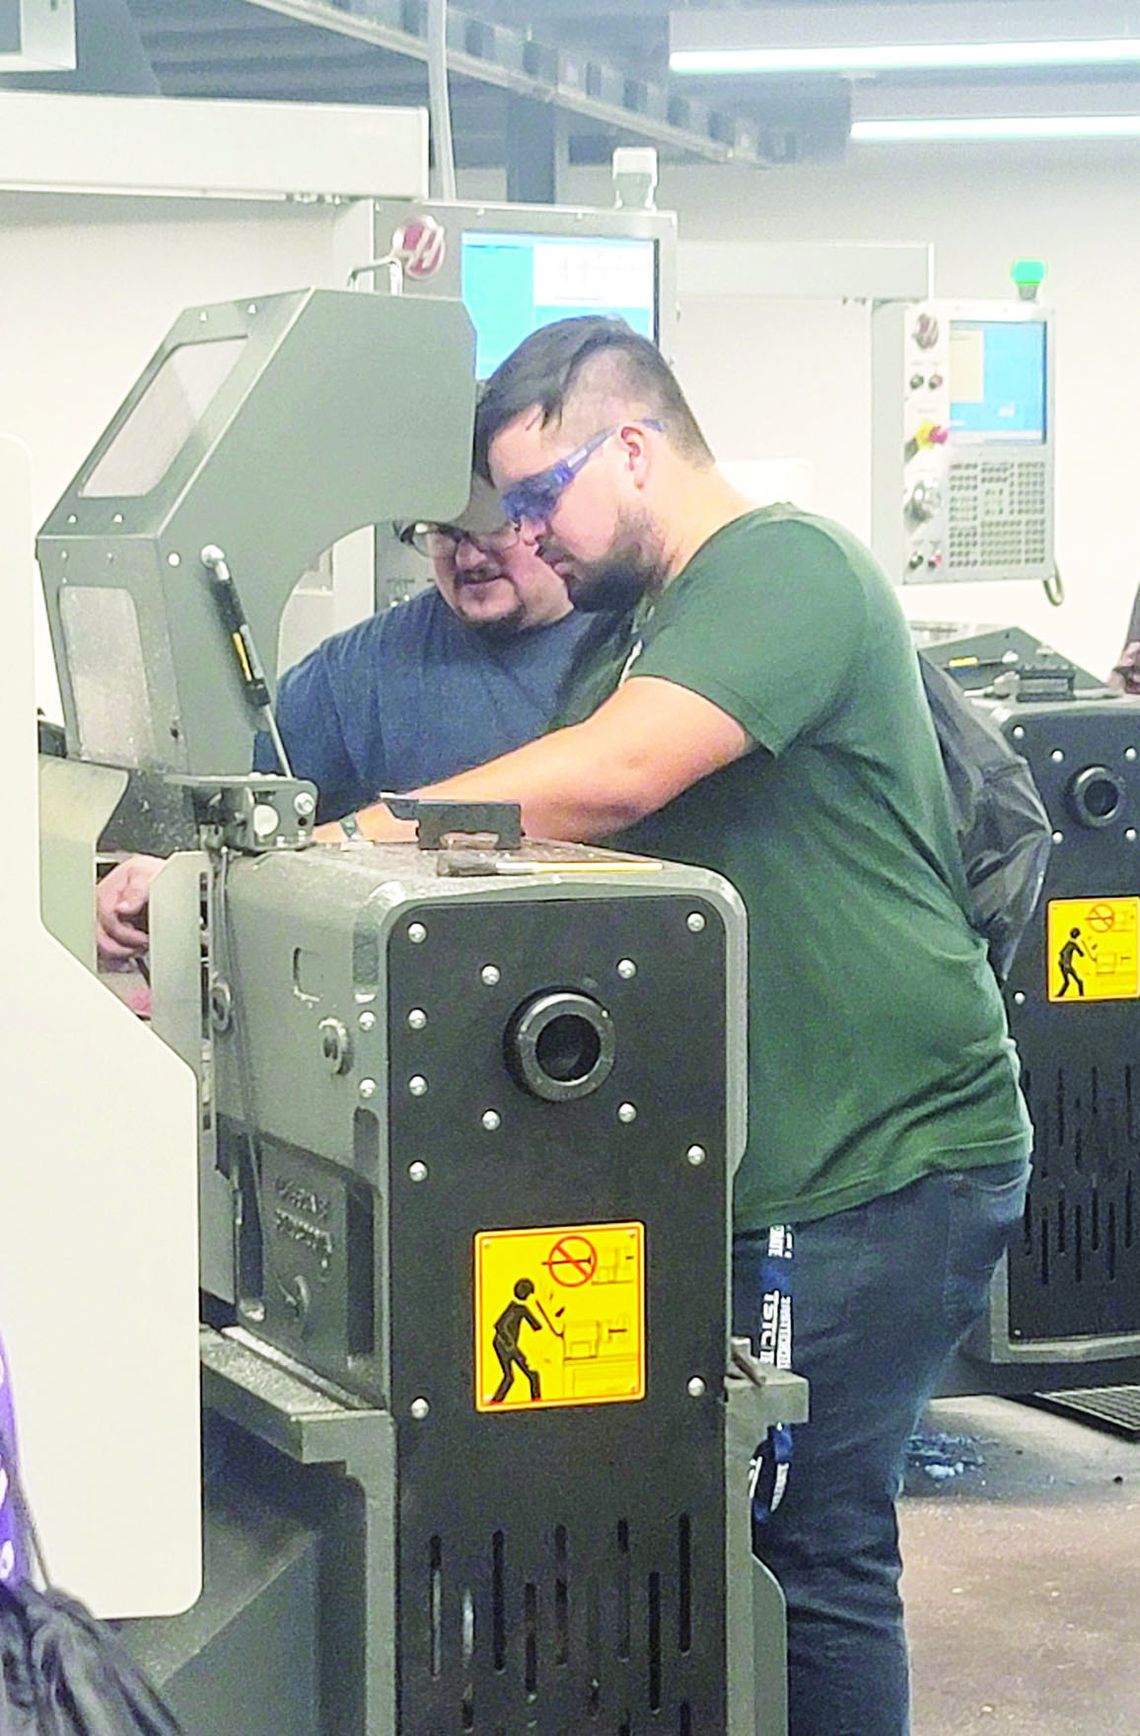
(514,283)
(997,382)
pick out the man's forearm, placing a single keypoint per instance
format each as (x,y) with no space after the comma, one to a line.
(650,741)
(562,792)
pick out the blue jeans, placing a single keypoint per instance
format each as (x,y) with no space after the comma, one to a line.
(881,1295)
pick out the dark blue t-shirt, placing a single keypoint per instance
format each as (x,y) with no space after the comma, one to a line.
(412,696)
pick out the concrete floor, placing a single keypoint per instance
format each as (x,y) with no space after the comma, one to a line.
(1022,1579)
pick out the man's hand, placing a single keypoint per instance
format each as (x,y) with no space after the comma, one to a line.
(121,902)
(375,826)
(1126,676)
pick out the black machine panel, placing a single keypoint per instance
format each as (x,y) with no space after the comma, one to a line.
(1074,1007)
(558,1568)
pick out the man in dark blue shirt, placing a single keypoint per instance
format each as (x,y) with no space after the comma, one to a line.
(463,672)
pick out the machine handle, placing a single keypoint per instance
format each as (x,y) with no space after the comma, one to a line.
(245,651)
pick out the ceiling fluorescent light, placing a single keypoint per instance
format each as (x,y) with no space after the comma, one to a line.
(996,127)
(931,34)
(906,57)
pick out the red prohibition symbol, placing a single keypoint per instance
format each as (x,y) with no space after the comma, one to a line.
(572,1261)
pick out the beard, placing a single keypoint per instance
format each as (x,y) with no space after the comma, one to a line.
(631,567)
(489,627)
(507,626)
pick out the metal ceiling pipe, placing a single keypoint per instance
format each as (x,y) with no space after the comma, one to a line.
(439,100)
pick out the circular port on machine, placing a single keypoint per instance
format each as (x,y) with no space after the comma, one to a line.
(1095,795)
(560,1046)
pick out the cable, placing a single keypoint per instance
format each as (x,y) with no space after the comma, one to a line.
(1055,587)
(249,1167)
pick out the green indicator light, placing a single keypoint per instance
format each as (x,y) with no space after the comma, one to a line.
(1028,273)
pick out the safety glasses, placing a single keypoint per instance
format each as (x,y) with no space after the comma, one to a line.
(441,541)
(534,499)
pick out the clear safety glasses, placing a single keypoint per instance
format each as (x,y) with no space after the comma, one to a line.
(535,498)
(440,542)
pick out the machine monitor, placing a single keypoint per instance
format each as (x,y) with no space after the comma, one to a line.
(519,267)
(962,442)
(998,382)
(513,283)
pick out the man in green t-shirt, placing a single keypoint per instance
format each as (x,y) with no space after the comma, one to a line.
(768,721)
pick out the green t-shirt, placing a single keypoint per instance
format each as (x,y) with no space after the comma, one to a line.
(878,1048)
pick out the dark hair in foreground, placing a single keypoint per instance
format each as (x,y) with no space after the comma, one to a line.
(549,364)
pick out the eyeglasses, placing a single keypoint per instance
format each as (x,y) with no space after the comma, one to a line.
(440,542)
(534,499)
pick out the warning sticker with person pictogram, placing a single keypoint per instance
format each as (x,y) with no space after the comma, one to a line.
(1093,947)
(559,1316)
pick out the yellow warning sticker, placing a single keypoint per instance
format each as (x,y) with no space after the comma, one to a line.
(1093,949)
(559,1316)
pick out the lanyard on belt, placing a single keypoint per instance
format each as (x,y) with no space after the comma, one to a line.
(768,1473)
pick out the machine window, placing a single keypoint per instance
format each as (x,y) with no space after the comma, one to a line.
(108,675)
(163,419)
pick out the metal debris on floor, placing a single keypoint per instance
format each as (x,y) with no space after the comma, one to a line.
(939,1458)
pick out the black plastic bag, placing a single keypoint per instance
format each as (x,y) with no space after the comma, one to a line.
(66,1674)
(62,1672)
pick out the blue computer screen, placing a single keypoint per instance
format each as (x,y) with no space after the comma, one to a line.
(997,381)
(512,284)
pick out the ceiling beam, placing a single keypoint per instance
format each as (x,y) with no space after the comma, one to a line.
(572,80)
(257,50)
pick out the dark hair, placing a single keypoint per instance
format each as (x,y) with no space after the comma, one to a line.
(547,366)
